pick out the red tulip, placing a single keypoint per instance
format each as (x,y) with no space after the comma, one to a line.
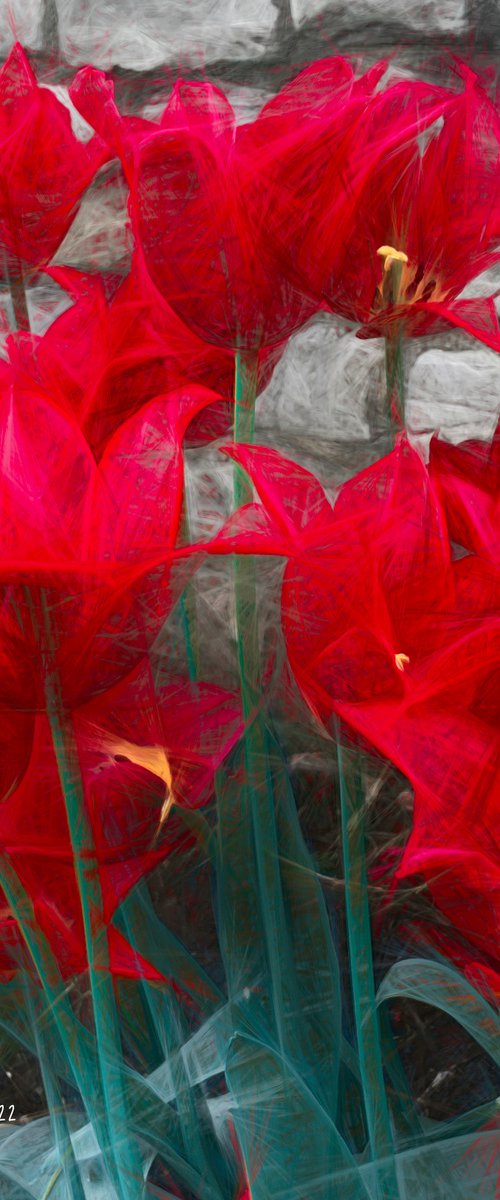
(143,753)
(101,360)
(368,220)
(94,97)
(44,168)
(202,246)
(86,576)
(380,631)
(467,479)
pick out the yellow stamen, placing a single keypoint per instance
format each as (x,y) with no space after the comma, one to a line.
(401,661)
(390,255)
(152,758)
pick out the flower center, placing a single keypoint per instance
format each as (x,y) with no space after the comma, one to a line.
(390,256)
(151,758)
(401,661)
(394,279)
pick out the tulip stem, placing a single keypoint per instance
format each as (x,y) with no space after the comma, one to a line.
(391,296)
(126,1160)
(55,992)
(17,289)
(395,378)
(67,1168)
(245,391)
(258,801)
(188,606)
(366,1017)
(74,1038)
(394,357)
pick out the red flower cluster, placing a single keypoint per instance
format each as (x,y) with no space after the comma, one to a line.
(202,247)
(141,756)
(44,168)
(374,199)
(384,199)
(391,629)
(88,574)
(377,202)
(102,359)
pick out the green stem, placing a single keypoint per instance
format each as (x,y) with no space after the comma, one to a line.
(67,1167)
(123,1156)
(394,356)
(188,607)
(260,799)
(75,1040)
(152,1121)
(126,1160)
(71,1034)
(17,288)
(395,378)
(362,977)
(245,390)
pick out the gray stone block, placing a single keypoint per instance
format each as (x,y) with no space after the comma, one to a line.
(246,101)
(143,35)
(454,392)
(22,21)
(422,16)
(100,237)
(209,489)
(327,382)
(46,301)
(486,284)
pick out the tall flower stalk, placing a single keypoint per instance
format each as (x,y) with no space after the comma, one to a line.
(16,278)
(67,1167)
(392,295)
(125,1160)
(359,937)
(258,813)
(245,390)
(187,604)
(76,1045)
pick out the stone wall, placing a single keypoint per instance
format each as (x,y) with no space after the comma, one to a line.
(140,36)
